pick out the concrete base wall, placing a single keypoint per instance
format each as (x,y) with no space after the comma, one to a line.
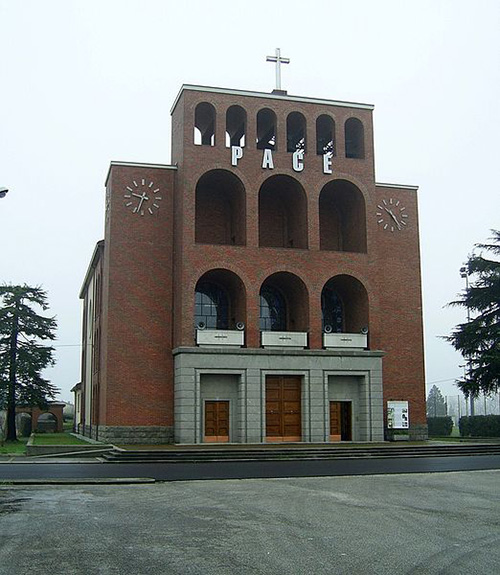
(240,377)
(418,433)
(136,435)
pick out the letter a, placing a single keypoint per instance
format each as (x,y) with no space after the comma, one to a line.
(267,159)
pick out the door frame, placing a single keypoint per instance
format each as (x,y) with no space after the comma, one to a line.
(342,402)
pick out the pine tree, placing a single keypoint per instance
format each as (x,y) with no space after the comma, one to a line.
(436,405)
(478,339)
(22,355)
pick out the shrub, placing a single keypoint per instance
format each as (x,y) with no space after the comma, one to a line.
(439,426)
(480,426)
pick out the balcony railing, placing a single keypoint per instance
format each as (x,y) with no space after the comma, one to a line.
(293,339)
(226,337)
(345,340)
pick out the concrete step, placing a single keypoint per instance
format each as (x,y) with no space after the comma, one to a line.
(193,454)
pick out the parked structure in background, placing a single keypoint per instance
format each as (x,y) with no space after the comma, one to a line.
(262,287)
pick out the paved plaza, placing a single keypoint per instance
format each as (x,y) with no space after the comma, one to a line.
(417,523)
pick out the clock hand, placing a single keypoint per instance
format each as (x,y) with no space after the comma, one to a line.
(393,217)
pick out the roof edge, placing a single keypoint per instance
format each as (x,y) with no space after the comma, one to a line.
(396,186)
(99,248)
(270,96)
(138,165)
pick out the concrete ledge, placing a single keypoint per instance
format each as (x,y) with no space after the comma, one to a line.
(80,481)
(67,450)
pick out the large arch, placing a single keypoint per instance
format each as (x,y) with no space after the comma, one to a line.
(344,304)
(342,217)
(220,300)
(284,288)
(220,209)
(282,213)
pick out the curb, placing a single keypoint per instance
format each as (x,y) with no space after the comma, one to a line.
(79,481)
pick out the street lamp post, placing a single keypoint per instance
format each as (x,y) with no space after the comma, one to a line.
(464,273)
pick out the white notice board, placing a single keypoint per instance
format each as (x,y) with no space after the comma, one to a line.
(398,415)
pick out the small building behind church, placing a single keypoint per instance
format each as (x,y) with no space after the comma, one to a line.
(261,287)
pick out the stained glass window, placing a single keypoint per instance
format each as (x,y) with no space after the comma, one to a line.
(211,306)
(272,310)
(332,311)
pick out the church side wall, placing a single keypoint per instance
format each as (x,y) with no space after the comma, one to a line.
(138,381)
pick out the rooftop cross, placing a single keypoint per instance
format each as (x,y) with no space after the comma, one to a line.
(279,60)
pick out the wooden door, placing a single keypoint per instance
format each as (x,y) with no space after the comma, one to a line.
(283,408)
(340,421)
(216,421)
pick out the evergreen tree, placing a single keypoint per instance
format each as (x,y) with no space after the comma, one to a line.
(436,405)
(478,339)
(22,355)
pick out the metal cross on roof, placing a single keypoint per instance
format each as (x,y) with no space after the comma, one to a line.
(278,60)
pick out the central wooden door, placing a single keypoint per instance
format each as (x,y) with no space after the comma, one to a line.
(216,421)
(340,421)
(283,408)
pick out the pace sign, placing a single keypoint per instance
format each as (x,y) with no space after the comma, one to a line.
(268,163)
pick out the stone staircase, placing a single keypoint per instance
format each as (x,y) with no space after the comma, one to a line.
(193,454)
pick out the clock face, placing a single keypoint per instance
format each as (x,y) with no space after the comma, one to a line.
(391,215)
(142,197)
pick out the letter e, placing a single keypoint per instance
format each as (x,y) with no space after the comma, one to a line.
(327,163)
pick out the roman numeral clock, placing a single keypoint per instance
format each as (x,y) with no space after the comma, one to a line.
(142,197)
(391,215)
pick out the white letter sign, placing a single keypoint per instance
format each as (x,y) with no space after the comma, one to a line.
(236,154)
(297,162)
(267,160)
(327,163)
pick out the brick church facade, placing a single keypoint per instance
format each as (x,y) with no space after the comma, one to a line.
(260,288)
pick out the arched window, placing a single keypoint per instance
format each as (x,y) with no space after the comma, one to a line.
(204,125)
(236,125)
(332,310)
(295,132)
(344,304)
(220,209)
(282,213)
(342,217)
(266,129)
(211,306)
(325,135)
(354,139)
(272,309)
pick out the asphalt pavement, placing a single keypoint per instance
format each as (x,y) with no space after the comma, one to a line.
(48,469)
(417,523)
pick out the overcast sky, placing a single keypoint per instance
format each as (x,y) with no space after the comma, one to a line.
(87,82)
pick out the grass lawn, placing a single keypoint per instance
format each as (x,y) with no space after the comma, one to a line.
(14,447)
(57,439)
